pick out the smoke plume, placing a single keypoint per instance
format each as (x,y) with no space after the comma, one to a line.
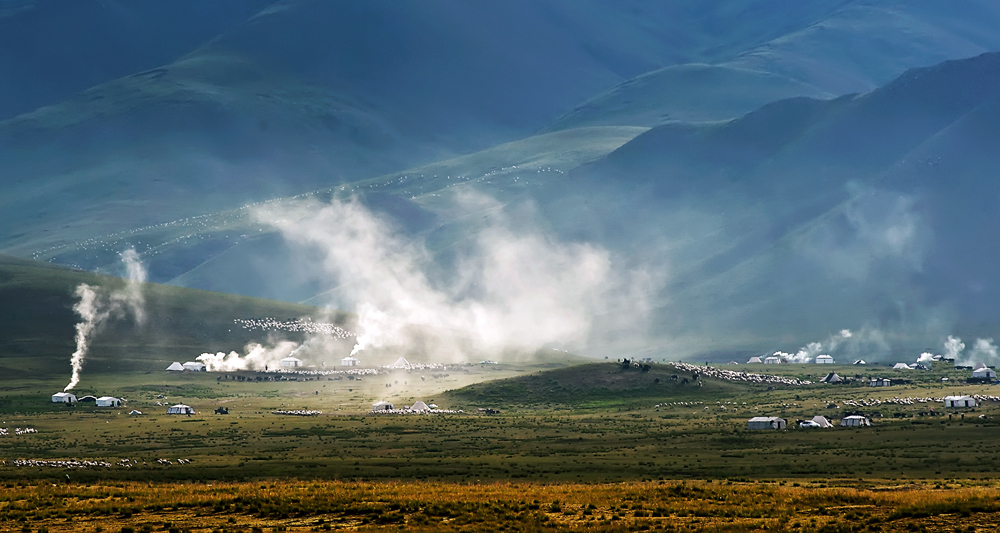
(511,287)
(810,351)
(258,357)
(953,348)
(983,351)
(95,309)
(926,357)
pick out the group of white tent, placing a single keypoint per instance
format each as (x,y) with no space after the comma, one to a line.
(193,366)
(103,401)
(774,422)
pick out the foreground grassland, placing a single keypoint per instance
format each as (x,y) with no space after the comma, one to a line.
(591,447)
(502,506)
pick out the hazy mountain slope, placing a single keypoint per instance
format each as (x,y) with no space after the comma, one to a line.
(854,47)
(52,49)
(36,322)
(311,93)
(808,216)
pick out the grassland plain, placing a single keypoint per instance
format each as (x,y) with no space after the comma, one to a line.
(567,449)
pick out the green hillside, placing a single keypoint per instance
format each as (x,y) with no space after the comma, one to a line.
(595,385)
(37,322)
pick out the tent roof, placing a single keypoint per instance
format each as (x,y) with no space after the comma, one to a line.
(381,403)
(822,420)
(901,366)
(419,406)
(107,398)
(180,405)
(290,358)
(175,366)
(63,394)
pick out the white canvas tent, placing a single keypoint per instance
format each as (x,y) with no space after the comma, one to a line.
(822,421)
(860,362)
(824,360)
(194,366)
(290,362)
(108,401)
(832,377)
(382,406)
(350,361)
(419,406)
(766,422)
(959,401)
(754,360)
(175,367)
(772,360)
(400,363)
(855,421)
(180,409)
(63,397)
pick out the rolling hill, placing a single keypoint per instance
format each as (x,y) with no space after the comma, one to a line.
(37,323)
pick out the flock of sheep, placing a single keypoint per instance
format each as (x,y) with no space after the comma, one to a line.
(17,431)
(729,375)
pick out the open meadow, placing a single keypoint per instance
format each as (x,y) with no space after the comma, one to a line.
(590,447)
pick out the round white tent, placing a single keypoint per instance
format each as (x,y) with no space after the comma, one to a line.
(290,362)
(180,409)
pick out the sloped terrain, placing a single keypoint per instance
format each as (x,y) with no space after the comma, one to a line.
(37,323)
(808,216)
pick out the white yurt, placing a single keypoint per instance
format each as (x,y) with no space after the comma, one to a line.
(382,406)
(959,401)
(175,367)
(350,361)
(766,422)
(824,360)
(290,362)
(63,397)
(194,366)
(180,409)
(984,373)
(855,421)
(108,401)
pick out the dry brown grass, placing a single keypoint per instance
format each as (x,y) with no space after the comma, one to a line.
(435,506)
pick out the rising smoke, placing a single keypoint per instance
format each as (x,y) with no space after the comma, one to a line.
(97,306)
(810,351)
(258,357)
(511,287)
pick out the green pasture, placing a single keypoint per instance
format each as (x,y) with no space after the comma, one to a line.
(587,423)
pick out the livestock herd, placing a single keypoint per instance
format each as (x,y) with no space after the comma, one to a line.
(745,377)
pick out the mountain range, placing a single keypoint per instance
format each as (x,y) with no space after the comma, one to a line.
(787,168)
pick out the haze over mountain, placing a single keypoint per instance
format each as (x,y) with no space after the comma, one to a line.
(772,204)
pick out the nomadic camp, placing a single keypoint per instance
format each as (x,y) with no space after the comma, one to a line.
(419,406)
(984,373)
(175,367)
(194,366)
(382,406)
(766,422)
(960,401)
(108,401)
(350,361)
(855,421)
(880,382)
(63,397)
(772,360)
(754,360)
(290,362)
(824,360)
(832,377)
(180,409)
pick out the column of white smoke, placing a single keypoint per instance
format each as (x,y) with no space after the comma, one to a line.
(94,311)
(953,348)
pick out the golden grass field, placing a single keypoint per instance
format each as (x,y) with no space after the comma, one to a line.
(500,506)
